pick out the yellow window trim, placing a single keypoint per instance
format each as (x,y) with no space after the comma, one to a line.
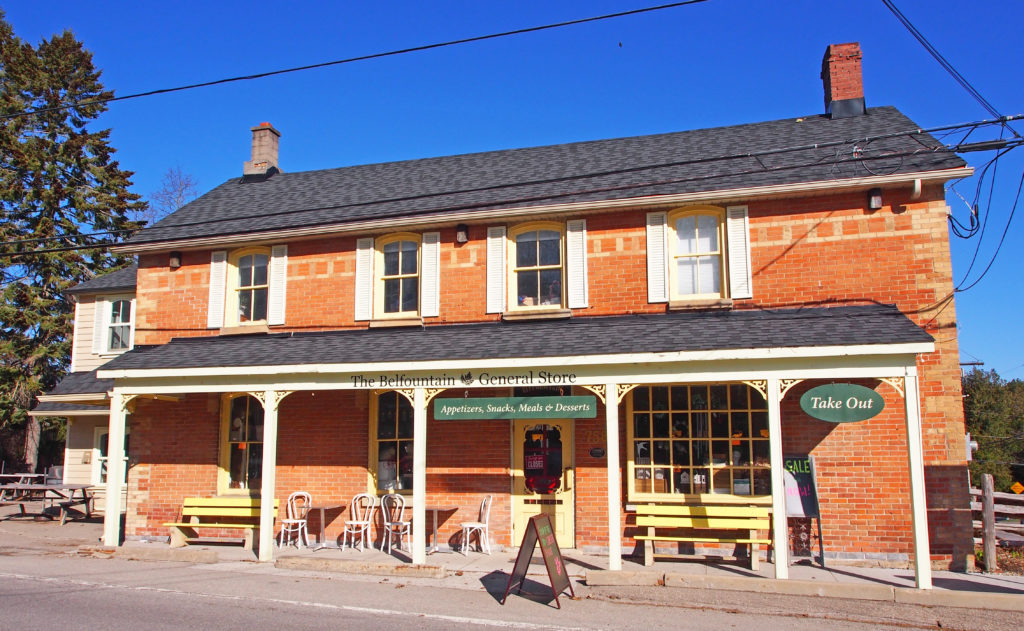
(231,288)
(224,455)
(378,275)
(372,446)
(723,258)
(512,298)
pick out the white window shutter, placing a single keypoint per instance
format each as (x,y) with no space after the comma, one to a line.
(738,230)
(430,275)
(218,281)
(278,289)
(364,279)
(576,262)
(657,259)
(99,329)
(496,269)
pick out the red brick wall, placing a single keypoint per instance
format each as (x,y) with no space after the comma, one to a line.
(814,251)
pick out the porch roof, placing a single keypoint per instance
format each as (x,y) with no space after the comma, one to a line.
(632,334)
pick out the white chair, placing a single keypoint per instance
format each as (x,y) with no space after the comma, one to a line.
(478,527)
(360,519)
(392,506)
(293,527)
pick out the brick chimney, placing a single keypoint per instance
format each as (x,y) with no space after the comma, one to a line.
(843,80)
(264,151)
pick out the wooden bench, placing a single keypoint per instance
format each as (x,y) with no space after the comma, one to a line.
(224,513)
(705,523)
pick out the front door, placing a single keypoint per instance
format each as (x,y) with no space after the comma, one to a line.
(542,477)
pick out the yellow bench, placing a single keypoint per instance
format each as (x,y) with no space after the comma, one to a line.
(703,523)
(224,513)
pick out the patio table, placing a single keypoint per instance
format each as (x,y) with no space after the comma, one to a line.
(63,494)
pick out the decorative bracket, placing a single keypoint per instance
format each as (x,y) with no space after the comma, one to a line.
(896,382)
(271,403)
(785,385)
(761,385)
(128,403)
(598,389)
(431,393)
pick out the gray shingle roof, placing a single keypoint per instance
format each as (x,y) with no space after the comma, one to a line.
(82,383)
(68,409)
(624,168)
(121,280)
(752,329)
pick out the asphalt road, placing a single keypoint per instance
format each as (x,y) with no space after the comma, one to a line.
(50,590)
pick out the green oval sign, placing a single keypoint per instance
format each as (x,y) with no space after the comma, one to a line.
(842,403)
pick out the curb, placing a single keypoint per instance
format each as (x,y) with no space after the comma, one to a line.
(359,567)
(855,591)
(129,553)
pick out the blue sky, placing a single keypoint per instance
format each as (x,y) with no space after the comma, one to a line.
(722,62)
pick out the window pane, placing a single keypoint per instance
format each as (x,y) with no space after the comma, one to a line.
(708,274)
(237,466)
(119,337)
(254,424)
(707,233)
(527,288)
(386,414)
(686,235)
(681,453)
(526,249)
(408,257)
(680,425)
(239,412)
(660,423)
(390,259)
(387,465)
(686,277)
(642,452)
(549,245)
(699,425)
(405,465)
(641,426)
(738,394)
(405,418)
(259,269)
(392,294)
(245,271)
(719,400)
(720,424)
(259,304)
(662,452)
(641,399)
(679,401)
(551,283)
(244,306)
(659,398)
(121,312)
(254,475)
(699,398)
(410,294)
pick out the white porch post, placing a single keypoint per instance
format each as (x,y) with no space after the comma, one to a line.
(115,470)
(270,402)
(419,477)
(780,525)
(919,507)
(611,409)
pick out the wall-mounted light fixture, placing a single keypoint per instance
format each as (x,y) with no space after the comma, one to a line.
(875,199)
(461,233)
(175,260)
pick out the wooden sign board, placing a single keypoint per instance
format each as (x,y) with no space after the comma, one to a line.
(539,531)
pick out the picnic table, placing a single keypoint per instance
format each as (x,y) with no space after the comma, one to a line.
(64,495)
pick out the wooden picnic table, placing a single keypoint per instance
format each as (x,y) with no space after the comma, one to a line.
(64,495)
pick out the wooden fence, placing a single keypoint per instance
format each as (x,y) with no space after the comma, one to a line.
(998,518)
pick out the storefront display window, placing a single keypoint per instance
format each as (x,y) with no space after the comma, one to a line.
(244,444)
(699,439)
(393,452)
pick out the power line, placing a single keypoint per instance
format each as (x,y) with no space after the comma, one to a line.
(402,51)
(945,64)
(1009,220)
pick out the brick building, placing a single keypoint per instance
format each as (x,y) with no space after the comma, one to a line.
(363,329)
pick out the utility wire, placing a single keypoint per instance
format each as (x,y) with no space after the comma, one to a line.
(1002,239)
(945,64)
(402,51)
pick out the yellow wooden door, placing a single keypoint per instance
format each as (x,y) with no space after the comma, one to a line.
(542,477)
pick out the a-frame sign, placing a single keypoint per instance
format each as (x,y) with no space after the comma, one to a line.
(538,530)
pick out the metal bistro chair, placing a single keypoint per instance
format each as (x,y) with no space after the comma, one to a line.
(361,518)
(478,527)
(293,527)
(392,506)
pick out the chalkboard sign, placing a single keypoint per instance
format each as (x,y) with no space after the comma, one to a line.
(539,530)
(801,488)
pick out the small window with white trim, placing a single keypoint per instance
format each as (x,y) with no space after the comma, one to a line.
(114,325)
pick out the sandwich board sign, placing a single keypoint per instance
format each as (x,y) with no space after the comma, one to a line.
(539,531)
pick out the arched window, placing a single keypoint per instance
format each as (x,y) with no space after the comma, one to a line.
(392,445)
(241,445)
(536,266)
(397,276)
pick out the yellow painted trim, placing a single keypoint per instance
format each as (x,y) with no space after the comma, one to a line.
(378,275)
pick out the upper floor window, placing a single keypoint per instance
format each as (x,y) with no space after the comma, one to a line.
(249,292)
(699,254)
(113,327)
(120,328)
(398,276)
(696,266)
(248,287)
(537,269)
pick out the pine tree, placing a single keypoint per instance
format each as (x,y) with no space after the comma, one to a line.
(58,183)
